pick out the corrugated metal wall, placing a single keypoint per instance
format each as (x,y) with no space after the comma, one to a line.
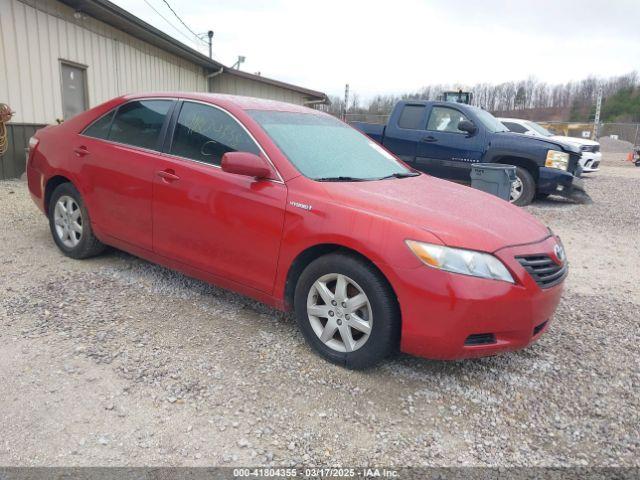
(234,85)
(35,35)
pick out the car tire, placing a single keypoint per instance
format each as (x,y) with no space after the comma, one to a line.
(527,188)
(70,224)
(377,311)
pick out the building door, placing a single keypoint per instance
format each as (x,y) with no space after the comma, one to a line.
(74,94)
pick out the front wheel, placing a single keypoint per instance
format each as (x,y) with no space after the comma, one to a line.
(347,311)
(523,189)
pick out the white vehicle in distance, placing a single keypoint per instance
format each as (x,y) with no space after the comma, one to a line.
(591,155)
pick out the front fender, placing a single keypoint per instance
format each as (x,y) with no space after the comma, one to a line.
(379,239)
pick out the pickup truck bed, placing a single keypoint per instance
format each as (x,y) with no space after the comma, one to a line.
(373,130)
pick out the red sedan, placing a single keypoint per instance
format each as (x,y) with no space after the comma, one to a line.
(298,210)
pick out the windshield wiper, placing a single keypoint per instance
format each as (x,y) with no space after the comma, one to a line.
(341,179)
(400,175)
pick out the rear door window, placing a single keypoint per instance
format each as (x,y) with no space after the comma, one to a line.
(139,123)
(445,119)
(411,117)
(205,133)
(100,128)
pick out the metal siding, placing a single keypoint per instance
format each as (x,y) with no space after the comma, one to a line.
(36,34)
(228,83)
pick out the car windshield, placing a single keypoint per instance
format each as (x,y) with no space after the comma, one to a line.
(323,148)
(539,128)
(490,122)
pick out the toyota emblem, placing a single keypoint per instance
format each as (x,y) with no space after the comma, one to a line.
(559,251)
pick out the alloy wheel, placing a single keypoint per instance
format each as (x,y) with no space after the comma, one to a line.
(339,312)
(516,190)
(67,218)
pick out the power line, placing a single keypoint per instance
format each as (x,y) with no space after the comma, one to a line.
(171,24)
(182,22)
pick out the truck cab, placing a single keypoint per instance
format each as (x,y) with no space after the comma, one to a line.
(445,139)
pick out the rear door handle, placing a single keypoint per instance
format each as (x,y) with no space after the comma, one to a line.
(168,175)
(429,139)
(81,151)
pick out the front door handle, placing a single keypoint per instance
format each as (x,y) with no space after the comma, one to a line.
(81,151)
(168,175)
(429,139)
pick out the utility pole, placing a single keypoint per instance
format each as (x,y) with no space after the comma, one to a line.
(596,120)
(210,35)
(346,101)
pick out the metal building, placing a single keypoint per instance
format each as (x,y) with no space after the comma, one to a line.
(59,57)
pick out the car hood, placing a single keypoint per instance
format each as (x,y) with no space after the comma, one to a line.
(460,216)
(574,140)
(549,142)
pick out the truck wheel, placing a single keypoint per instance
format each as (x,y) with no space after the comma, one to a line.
(70,224)
(523,189)
(347,311)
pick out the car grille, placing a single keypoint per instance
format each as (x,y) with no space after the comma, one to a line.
(590,148)
(543,269)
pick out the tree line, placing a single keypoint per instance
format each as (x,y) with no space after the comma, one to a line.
(578,97)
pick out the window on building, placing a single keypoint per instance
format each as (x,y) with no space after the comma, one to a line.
(515,127)
(139,123)
(444,119)
(205,133)
(100,128)
(411,117)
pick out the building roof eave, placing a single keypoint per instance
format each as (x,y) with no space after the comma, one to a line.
(111,14)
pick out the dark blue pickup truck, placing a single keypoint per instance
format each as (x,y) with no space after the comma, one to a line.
(444,139)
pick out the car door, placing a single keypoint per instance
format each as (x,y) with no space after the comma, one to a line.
(404,132)
(225,224)
(119,154)
(445,151)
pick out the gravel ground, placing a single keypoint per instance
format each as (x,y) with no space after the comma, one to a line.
(115,361)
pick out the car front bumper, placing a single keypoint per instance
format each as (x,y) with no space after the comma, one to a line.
(590,161)
(450,316)
(552,181)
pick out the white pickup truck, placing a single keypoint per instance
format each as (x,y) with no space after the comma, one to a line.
(591,155)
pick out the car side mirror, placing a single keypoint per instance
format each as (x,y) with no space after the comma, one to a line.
(467,126)
(245,163)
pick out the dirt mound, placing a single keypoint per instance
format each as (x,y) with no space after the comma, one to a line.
(608,144)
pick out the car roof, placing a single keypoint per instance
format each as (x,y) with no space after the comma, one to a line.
(238,101)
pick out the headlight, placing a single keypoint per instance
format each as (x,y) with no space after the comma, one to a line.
(457,260)
(556,159)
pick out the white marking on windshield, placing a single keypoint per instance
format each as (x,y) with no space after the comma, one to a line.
(381,150)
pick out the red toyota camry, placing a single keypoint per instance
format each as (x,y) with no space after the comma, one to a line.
(298,210)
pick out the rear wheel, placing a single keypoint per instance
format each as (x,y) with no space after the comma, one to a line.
(70,224)
(346,311)
(523,189)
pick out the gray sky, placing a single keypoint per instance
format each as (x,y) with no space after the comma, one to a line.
(401,45)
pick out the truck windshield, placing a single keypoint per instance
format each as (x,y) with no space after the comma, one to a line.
(323,148)
(539,128)
(490,122)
